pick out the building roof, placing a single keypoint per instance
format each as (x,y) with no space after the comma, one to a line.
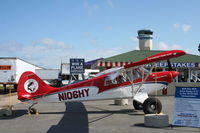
(89,63)
(145,31)
(136,55)
(15,58)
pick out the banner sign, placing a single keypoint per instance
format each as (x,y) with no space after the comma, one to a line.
(187,107)
(77,66)
(176,64)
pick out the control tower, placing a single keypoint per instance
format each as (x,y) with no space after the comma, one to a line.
(145,37)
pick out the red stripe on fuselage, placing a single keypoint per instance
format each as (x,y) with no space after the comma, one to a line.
(99,82)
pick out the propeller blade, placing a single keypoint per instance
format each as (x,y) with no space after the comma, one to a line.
(169,65)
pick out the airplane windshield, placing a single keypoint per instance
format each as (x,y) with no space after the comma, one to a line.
(119,76)
(133,74)
(136,73)
(143,70)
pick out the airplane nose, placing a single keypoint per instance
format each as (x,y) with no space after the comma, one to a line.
(174,73)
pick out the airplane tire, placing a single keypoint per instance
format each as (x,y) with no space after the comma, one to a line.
(137,105)
(152,106)
(33,111)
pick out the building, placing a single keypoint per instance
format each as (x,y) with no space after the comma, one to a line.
(47,74)
(11,68)
(145,39)
(91,64)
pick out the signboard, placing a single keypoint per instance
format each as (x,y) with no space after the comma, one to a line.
(187,107)
(5,67)
(77,66)
(176,64)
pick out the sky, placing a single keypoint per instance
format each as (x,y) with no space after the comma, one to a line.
(48,32)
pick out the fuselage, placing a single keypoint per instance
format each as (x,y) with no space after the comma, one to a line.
(99,88)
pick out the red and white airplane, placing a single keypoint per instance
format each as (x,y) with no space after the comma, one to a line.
(130,81)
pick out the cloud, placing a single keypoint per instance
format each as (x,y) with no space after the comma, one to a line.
(106,52)
(46,57)
(109,51)
(94,41)
(184,27)
(111,4)
(52,43)
(177,26)
(191,51)
(91,8)
(11,46)
(44,52)
(109,28)
(137,48)
(86,34)
(48,53)
(133,38)
(165,46)
(175,46)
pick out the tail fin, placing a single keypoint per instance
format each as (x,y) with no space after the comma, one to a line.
(31,86)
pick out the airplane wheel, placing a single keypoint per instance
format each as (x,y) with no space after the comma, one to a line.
(32,111)
(152,106)
(137,105)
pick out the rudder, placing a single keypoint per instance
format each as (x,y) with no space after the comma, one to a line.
(30,86)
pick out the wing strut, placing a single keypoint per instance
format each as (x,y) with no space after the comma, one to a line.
(144,79)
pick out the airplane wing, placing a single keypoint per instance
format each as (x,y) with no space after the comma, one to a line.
(157,57)
(114,72)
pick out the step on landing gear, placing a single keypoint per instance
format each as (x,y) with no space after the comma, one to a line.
(32,111)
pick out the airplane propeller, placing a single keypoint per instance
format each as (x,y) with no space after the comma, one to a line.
(169,65)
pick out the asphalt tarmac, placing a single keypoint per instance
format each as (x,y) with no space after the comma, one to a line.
(86,117)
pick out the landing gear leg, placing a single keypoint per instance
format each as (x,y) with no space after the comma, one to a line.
(32,110)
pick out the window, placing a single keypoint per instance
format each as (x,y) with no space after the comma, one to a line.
(133,74)
(195,76)
(143,70)
(183,75)
(115,78)
(136,74)
(128,75)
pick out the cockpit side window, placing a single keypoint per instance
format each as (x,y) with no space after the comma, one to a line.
(128,75)
(136,74)
(110,80)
